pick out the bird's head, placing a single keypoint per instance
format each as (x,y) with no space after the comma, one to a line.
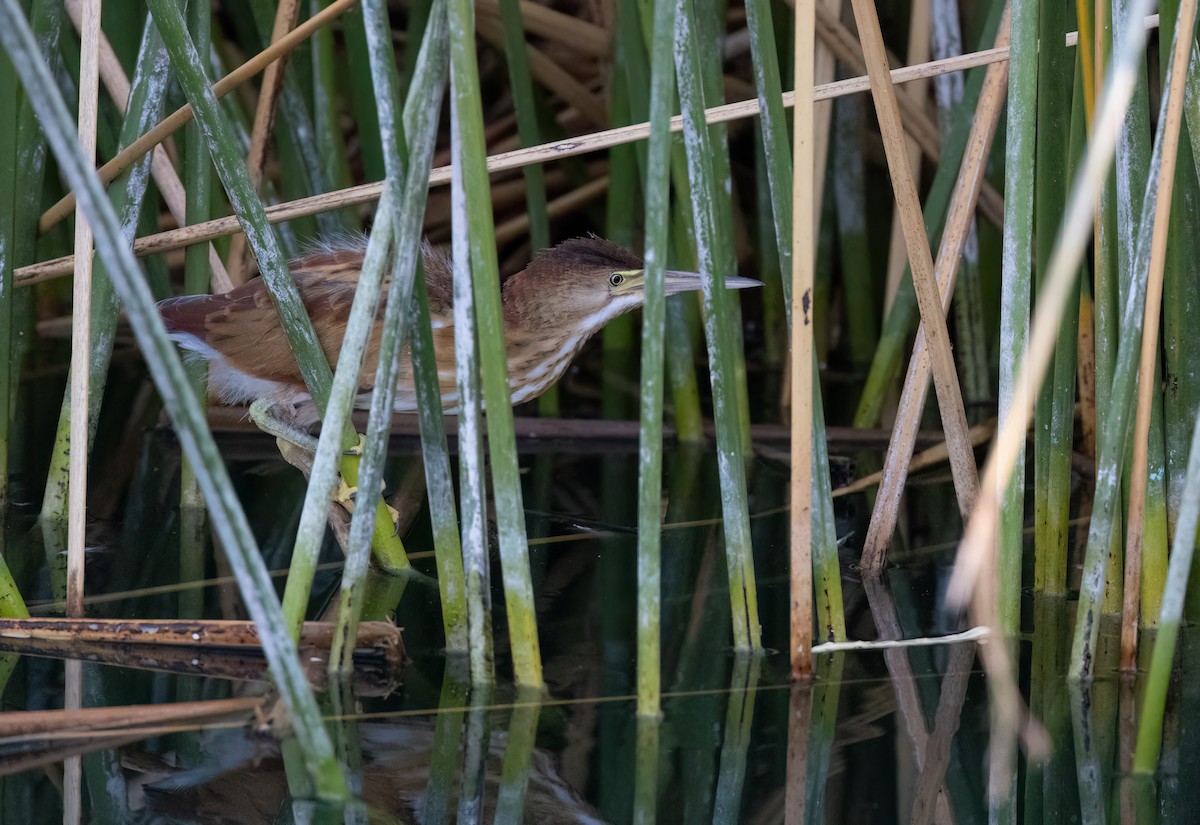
(584,283)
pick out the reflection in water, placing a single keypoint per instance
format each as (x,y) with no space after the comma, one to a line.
(895,736)
(398,764)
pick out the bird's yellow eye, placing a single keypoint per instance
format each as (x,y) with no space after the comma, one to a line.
(616,279)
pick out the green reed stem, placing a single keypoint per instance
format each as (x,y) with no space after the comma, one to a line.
(654,324)
(1183,348)
(719,335)
(1150,724)
(471,458)
(471,152)
(1017,279)
(311,532)
(1054,416)
(617,337)
(331,146)
(1113,435)
(27,184)
(777,149)
(10,372)
(645,777)
(228,517)
(407,214)
(126,194)
(439,481)
(197,279)
(525,107)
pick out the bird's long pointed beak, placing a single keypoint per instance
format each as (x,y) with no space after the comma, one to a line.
(676,282)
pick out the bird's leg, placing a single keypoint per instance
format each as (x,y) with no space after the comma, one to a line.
(262,413)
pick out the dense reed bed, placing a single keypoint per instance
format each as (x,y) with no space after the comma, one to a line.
(1010,217)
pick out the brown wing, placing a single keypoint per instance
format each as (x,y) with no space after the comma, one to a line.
(243,326)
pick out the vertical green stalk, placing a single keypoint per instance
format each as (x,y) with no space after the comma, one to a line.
(197,442)
(827,567)
(311,532)
(1183,348)
(1150,727)
(654,321)
(197,277)
(1054,415)
(331,147)
(470,436)
(719,335)
(10,372)
(521,84)
(407,216)
(471,152)
(438,480)
(645,781)
(1113,432)
(525,106)
(849,196)
(1019,171)
(1179,285)
(709,15)
(617,337)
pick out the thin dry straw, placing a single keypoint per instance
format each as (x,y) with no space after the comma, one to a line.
(945,374)
(803,264)
(916,385)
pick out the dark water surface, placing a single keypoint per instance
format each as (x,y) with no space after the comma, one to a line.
(893,736)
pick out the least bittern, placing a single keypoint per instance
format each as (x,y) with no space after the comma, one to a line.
(551,308)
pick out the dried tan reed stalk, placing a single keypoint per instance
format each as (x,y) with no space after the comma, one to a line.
(916,384)
(803,265)
(945,374)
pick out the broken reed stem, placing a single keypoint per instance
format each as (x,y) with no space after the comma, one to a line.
(803,265)
(945,374)
(960,213)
